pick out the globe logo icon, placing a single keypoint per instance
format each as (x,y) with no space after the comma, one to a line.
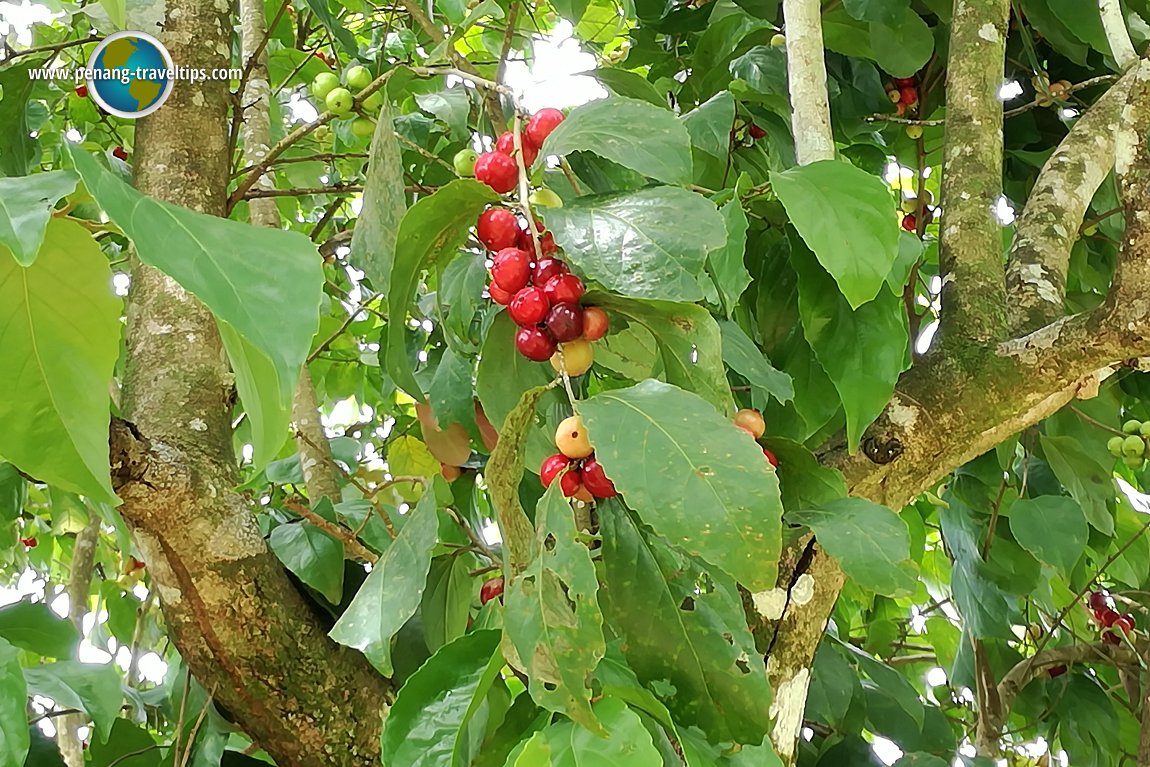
(131,74)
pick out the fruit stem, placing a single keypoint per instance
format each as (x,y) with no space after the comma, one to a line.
(524,188)
(566,380)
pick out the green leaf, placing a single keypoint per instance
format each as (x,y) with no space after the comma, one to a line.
(323,12)
(129,746)
(1032,521)
(673,615)
(14,739)
(117,11)
(902,46)
(17,148)
(315,557)
(844,215)
(764,70)
(632,85)
(1088,482)
(725,265)
(885,11)
(450,392)
(691,475)
(689,344)
(863,351)
(446,606)
(870,541)
(88,687)
(452,107)
(373,240)
(13,493)
(709,126)
(987,609)
(60,331)
(652,243)
(892,684)
(430,234)
(746,359)
(213,258)
(34,627)
(921,760)
(25,206)
(428,725)
(552,625)
(661,150)
(625,741)
(803,481)
(1083,21)
(392,592)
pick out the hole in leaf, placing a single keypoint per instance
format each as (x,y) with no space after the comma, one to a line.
(743,666)
(688,604)
(550,686)
(549,542)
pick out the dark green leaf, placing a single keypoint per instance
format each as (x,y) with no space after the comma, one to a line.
(662,150)
(987,610)
(14,739)
(725,265)
(92,688)
(632,85)
(34,627)
(332,25)
(746,359)
(450,390)
(17,148)
(128,746)
(451,106)
(709,126)
(903,46)
(373,240)
(392,592)
(764,70)
(447,601)
(885,11)
(1088,482)
(1032,521)
(624,741)
(893,684)
(25,206)
(803,481)
(315,557)
(652,243)
(1084,22)
(13,492)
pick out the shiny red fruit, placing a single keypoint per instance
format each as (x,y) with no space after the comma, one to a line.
(547,244)
(1111,638)
(1109,617)
(551,466)
(565,321)
(1126,623)
(908,95)
(535,344)
(756,132)
(529,307)
(1097,601)
(903,82)
(120,153)
(564,289)
(571,482)
(498,171)
(541,124)
(492,589)
(29,542)
(497,228)
(595,323)
(596,481)
(82,91)
(511,269)
(910,223)
(499,295)
(506,145)
(771,457)
(546,268)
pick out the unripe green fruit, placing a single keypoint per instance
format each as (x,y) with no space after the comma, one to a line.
(914,132)
(1134,461)
(358,77)
(373,103)
(464,162)
(909,205)
(1132,426)
(545,198)
(1134,445)
(1145,430)
(1114,445)
(323,84)
(340,102)
(778,41)
(1091,230)
(362,127)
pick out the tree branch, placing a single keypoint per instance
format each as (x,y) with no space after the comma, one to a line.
(970,248)
(1048,226)
(807,81)
(1116,34)
(79,584)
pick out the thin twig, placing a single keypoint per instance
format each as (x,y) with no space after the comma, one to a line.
(260,194)
(53,48)
(339,532)
(196,728)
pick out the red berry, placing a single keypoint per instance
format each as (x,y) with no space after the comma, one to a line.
(506,145)
(1110,617)
(529,307)
(551,466)
(541,124)
(596,481)
(497,228)
(1111,638)
(771,457)
(903,82)
(29,542)
(571,482)
(756,132)
(492,589)
(910,223)
(535,344)
(564,289)
(595,323)
(511,269)
(546,268)
(499,295)
(1056,671)
(908,95)
(120,153)
(82,91)
(900,109)
(498,171)
(1126,623)
(565,321)
(547,244)
(1097,601)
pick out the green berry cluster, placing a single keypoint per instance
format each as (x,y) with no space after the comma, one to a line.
(326,88)
(1132,448)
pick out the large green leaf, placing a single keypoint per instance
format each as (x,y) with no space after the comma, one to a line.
(25,207)
(430,234)
(689,344)
(607,127)
(845,215)
(315,557)
(626,741)
(1033,520)
(13,493)
(903,45)
(129,746)
(710,123)
(427,725)
(746,359)
(652,243)
(447,600)
(34,627)
(1083,21)
(987,609)
(88,687)
(322,11)
(244,274)
(60,332)
(691,475)
(17,148)
(1088,482)
(682,622)
(870,541)
(804,482)
(14,738)
(885,11)
(863,351)
(373,241)
(725,265)
(764,70)
(552,625)
(392,591)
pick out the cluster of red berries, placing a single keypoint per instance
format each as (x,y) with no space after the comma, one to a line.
(498,168)
(751,421)
(30,543)
(903,93)
(582,476)
(1111,621)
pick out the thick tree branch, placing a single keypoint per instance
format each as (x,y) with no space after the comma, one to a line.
(970,248)
(1116,34)
(807,81)
(1048,225)
(79,585)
